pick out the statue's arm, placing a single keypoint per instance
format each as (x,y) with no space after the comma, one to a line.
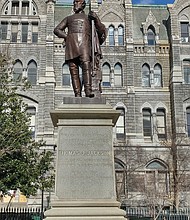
(60,29)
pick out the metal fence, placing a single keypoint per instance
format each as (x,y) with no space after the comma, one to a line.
(21,213)
(146,213)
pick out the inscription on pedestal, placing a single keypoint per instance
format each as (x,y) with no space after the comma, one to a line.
(85,164)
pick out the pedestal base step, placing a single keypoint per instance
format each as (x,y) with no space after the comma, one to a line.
(85,210)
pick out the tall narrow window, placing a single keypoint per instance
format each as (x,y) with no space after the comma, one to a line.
(111,36)
(24,32)
(188,121)
(161,123)
(15,8)
(185,32)
(157,75)
(120,35)
(186,70)
(146,75)
(66,78)
(34,32)
(25,8)
(118,75)
(151,36)
(14,32)
(17,71)
(147,124)
(120,125)
(3,34)
(32,72)
(106,75)
(31,111)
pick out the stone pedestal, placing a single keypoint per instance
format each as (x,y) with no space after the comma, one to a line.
(85,177)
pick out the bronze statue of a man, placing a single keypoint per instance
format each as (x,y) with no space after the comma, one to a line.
(78,42)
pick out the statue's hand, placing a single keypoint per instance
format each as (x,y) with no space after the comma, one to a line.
(92,15)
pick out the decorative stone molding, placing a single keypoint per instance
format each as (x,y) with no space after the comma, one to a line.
(151,21)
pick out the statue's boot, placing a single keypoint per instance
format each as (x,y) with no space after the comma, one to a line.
(74,71)
(87,79)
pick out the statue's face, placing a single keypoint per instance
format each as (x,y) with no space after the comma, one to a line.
(78,5)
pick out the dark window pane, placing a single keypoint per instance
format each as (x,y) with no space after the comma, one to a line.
(161,123)
(66,78)
(3,31)
(35,32)
(15,8)
(24,33)
(185,31)
(32,73)
(145,76)
(111,36)
(147,122)
(151,37)
(25,8)
(14,30)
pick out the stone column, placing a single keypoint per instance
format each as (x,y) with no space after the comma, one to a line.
(85,176)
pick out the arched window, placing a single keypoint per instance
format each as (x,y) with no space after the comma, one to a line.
(106,75)
(157,75)
(147,122)
(188,121)
(120,35)
(32,72)
(151,36)
(31,111)
(17,7)
(156,178)
(22,28)
(118,75)
(120,179)
(66,78)
(17,71)
(120,125)
(111,36)
(161,123)
(146,75)
(186,71)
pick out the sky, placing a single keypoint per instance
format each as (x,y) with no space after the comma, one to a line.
(144,2)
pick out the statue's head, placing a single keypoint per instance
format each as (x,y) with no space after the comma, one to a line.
(78,5)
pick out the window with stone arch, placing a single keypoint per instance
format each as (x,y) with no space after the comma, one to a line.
(118,75)
(66,77)
(32,72)
(120,178)
(146,75)
(186,71)
(120,35)
(188,120)
(151,36)
(184,26)
(111,34)
(158,75)
(23,16)
(106,71)
(157,178)
(17,71)
(20,7)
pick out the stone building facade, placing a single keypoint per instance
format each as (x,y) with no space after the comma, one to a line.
(146,76)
